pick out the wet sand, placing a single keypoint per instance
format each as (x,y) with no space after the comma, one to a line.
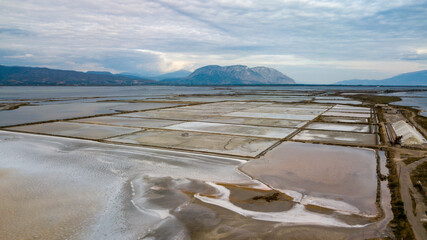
(60,188)
(35,206)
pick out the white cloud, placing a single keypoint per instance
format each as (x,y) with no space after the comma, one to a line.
(157,36)
(20,56)
(421,51)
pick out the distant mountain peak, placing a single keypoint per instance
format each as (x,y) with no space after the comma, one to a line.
(177,74)
(418,78)
(233,75)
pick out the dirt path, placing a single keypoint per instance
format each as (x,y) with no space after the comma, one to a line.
(406,186)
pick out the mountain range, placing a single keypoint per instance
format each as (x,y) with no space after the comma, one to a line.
(232,75)
(208,75)
(25,76)
(418,78)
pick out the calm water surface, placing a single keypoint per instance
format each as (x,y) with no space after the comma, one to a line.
(53,102)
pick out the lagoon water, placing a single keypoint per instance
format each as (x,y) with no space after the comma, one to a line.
(55,92)
(417,100)
(62,92)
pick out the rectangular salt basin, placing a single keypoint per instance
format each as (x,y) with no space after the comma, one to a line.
(168,115)
(232,129)
(272,115)
(343,119)
(80,130)
(214,111)
(218,108)
(192,99)
(348,138)
(334,177)
(297,111)
(291,108)
(339,106)
(61,111)
(129,122)
(274,98)
(311,105)
(338,101)
(124,106)
(269,122)
(347,114)
(204,142)
(340,127)
(349,110)
(227,105)
(331,98)
(38,113)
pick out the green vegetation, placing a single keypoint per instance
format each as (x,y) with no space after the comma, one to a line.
(375,99)
(16,106)
(272,197)
(379,112)
(410,160)
(409,112)
(422,121)
(419,179)
(400,225)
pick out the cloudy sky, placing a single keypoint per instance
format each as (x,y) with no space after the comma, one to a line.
(312,41)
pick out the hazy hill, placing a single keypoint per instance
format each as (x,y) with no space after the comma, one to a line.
(20,76)
(405,79)
(232,75)
(177,74)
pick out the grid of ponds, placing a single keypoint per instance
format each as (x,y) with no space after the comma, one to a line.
(307,149)
(249,126)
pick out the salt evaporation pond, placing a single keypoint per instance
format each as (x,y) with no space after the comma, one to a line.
(28,114)
(340,127)
(272,115)
(347,114)
(340,178)
(256,121)
(129,121)
(343,119)
(203,142)
(233,129)
(80,130)
(335,137)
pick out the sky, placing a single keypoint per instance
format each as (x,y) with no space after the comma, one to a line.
(312,41)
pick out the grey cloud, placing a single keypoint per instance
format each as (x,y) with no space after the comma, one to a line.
(77,34)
